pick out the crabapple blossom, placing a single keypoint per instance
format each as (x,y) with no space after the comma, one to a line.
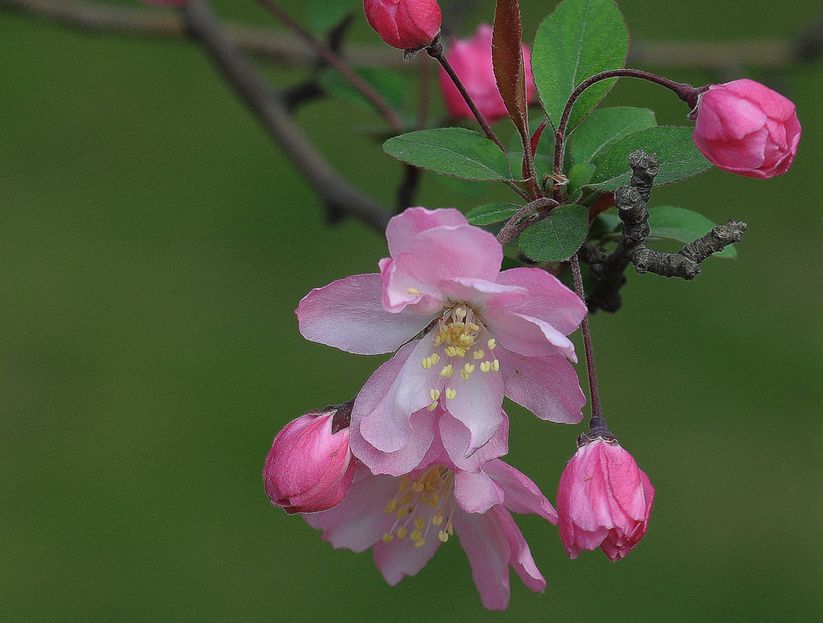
(309,467)
(604,500)
(404,24)
(471,59)
(467,333)
(404,520)
(747,128)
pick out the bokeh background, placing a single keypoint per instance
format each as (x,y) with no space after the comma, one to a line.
(153,246)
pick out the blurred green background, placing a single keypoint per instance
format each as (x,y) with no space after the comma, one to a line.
(153,246)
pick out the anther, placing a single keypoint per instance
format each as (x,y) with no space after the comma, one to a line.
(486,366)
(479,354)
(451,393)
(447,371)
(388,538)
(442,535)
(434,394)
(496,365)
(491,343)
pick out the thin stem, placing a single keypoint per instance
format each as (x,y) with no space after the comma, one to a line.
(435,50)
(684,91)
(591,369)
(336,61)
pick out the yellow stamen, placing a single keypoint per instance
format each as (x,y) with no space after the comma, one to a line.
(491,344)
(479,354)
(496,365)
(450,393)
(434,394)
(486,366)
(388,538)
(442,535)
(447,371)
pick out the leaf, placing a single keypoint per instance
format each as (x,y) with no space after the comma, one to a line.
(492,213)
(579,175)
(451,151)
(671,223)
(605,127)
(391,85)
(557,237)
(325,14)
(605,224)
(581,38)
(507,60)
(675,150)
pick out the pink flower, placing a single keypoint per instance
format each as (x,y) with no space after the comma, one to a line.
(405,520)
(471,59)
(309,467)
(404,24)
(748,129)
(604,500)
(485,333)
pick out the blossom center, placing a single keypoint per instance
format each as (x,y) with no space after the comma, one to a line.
(422,504)
(463,344)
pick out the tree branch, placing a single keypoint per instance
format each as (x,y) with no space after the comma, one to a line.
(632,204)
(278,47)
(338,195)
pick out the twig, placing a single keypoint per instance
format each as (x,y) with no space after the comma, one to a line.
(282,48)
(521,219)
(338,195)
(632,203)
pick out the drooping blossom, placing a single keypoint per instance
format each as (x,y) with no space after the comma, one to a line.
(404,24)
(309,467)
(604,500)
(483,333)
(471,59)
(405,520)
(747,128)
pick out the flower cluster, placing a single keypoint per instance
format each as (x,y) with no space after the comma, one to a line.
(420,459)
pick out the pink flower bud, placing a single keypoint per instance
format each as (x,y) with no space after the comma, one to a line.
(471,59)
(604,500)
(404,24)
(746,128)
(309,468)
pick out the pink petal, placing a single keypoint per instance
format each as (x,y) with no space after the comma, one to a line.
(463,252)
(546,386)
(489,552)
(521,494)
(348,314)
(548,299)
(402,291)
(400,558)
(527,335)
(521,556)
(405,226)
(456,440)
(358,522)
(408,458)
(478,292)
(476,492)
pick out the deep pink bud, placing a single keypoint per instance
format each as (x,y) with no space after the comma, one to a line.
(471,59)
(604,500)
(746,128)
(309,468)
(404,24)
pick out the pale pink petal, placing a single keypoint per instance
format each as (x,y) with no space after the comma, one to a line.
(548,299)
(546,386)
(408,458)
(348,314)
(521,495)
(476,492)
(359,521)
(489,553)
(402,291)
(478,292)
(456,439)
(400,557)
(463,252)
(521,556)
(405,226)
(527,335)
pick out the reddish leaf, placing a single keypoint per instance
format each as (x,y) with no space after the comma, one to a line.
(535,143)
(605,202)
(507,57)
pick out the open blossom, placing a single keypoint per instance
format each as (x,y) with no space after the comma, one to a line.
(485,333)
(404,24)
(405,520)
(471,59)
(309,467)
(604,500)
(746,128)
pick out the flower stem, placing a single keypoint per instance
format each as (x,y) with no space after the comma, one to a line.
(684,91)
(591,369)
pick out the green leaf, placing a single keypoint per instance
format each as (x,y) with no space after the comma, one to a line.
(671,223)
(389,84)
(605,127)
(557,237)
(604,225)
(675,150)
(491,213)
(451,151)
(581,38)
(325,14)
(579,175)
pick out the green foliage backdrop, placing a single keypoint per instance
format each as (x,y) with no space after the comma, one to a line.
(153,247)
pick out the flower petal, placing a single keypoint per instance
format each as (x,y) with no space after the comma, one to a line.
(548,299)
(521,495)
(476,492)
(489,552)
(521,556)
(456,440)
(400,557)
(478,292)
(348,314)
(527,335)
(402,228)
(546,386)
(423,430)
(464,252)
